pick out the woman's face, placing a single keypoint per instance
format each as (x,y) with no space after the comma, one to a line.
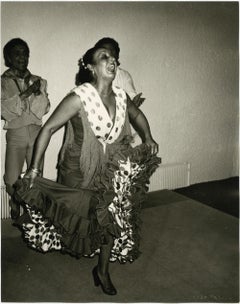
(111,49)
(105,65)
(18,58)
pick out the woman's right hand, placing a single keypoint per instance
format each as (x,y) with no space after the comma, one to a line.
(31,175)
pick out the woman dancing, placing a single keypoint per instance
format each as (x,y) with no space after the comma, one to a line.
(94,208)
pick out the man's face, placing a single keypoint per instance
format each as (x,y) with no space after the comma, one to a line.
(18,58)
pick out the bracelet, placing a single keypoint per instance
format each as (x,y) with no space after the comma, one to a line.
(35,170)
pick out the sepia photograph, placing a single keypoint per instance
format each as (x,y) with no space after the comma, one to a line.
(120,151)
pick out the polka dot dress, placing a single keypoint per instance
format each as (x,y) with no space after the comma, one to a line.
(105,130)
(40,234)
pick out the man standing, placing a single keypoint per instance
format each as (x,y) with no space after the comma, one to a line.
(24,101)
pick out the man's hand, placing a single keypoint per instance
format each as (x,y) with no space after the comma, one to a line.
(33,89)
(138,100)
(36,87)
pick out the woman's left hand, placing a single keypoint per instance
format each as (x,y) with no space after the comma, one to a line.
(152,145)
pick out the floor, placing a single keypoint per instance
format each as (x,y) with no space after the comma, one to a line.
(222,194)
(190,253)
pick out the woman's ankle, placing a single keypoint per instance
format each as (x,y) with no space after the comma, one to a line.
(102,271)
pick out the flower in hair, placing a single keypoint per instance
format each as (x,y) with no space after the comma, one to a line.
(83,64)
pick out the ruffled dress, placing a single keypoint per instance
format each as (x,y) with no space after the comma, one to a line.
(102,182)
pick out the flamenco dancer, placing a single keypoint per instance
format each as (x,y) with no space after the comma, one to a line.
(94,207)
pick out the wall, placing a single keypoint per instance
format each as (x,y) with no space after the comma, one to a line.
(183,56)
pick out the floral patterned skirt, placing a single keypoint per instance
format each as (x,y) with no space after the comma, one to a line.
(78,221)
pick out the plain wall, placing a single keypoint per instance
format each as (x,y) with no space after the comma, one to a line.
(183,56)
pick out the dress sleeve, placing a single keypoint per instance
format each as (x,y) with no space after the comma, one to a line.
(40,104)
(11,104)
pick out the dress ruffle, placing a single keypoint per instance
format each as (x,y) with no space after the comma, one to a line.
(67,209)
(77,220)
(126,181)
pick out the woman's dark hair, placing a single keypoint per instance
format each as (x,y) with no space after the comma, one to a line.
(112,42)
(10,45)
(107,40)
(84,74)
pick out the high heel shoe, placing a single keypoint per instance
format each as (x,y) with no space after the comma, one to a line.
(110,289)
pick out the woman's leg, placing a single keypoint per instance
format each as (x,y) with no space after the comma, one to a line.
(103,261)
(101,272)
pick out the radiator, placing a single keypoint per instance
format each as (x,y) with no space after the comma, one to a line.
(170,176)
(5,209)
